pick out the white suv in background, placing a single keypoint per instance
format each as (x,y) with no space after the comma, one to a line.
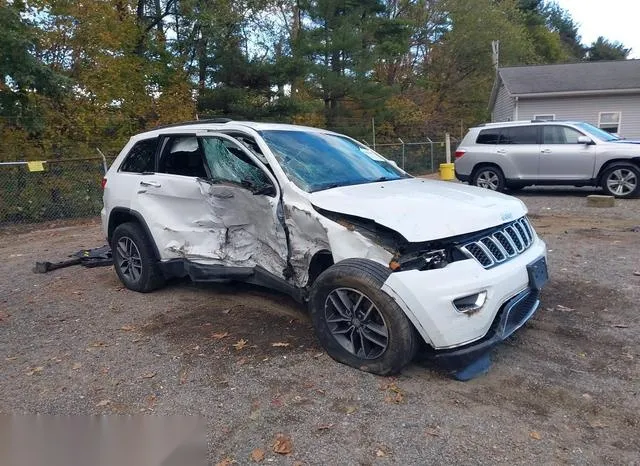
(386,262)
(516,154)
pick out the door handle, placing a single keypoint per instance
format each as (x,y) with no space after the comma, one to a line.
(545,151)
(154,184)
(501,151)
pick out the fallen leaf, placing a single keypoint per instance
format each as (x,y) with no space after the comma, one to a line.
(380,453)
(127,328)
(280,344)
(317,355)
(219,336)
(12,358)
(240,344)
(103,403)
(325,426)
(562,308)
(226,311)
(76,365)
(225,462)
(350,409)
(394,393)
(598,424)
(620,326)
(36,370)
(433,431)
(148,375)
(282,445)
(257,455)
(534,435)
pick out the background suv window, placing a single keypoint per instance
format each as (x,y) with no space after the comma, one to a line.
(519,135)
(488,136)
(560,135)
(141,157)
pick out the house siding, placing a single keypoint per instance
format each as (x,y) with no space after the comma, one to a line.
(504,105)
(586,108)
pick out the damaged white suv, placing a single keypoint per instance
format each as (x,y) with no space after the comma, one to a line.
(385,261)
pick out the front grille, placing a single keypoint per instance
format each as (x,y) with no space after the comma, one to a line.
(501,245)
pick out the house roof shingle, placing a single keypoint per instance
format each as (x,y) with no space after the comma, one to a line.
(572,77)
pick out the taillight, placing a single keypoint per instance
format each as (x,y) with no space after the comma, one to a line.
(103,183)
(459,153)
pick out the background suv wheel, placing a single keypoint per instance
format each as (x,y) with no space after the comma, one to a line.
(134,260)
(357,323)
(621,180)
(489,177)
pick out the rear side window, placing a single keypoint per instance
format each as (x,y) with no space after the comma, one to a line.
(488,136)
(519,135)
(141,158)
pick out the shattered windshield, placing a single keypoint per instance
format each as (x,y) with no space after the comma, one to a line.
(315,161)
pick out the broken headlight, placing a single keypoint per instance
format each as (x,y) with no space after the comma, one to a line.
(420,260)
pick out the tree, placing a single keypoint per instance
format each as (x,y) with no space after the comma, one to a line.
(602,49)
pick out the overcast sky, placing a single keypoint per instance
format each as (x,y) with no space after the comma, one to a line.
(617,20)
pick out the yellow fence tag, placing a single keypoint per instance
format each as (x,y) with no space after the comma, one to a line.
(35,166)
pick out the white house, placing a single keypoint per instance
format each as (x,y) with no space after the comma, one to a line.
(605,94)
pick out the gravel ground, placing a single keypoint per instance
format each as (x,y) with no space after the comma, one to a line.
(565,389)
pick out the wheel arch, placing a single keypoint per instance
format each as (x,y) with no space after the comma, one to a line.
(321,261)
(120,215)
(614,162)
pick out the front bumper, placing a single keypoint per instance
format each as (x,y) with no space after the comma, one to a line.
(427,298)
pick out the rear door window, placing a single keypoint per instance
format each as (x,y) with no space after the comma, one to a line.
(488,136)
(142,157)
(519,135)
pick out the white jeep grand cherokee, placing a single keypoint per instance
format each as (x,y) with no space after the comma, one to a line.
(384,260)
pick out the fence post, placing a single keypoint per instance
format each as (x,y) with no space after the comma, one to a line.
(373,130)
(402,142)
(104,161)
(431,144)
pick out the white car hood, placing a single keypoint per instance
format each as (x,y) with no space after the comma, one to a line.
(422,209)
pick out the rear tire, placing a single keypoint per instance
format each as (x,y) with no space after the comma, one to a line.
(357,323)
(488,177)
(134,260)
(621,180)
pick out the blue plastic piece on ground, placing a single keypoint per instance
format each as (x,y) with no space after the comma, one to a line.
(476,368)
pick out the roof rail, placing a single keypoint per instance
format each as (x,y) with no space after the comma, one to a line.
(195,122)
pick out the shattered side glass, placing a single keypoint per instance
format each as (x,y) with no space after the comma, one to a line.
(315,161)
(228,162)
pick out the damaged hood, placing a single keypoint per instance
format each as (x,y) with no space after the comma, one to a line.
(421,209)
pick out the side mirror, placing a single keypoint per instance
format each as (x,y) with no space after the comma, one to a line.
(584,140)
(393,162)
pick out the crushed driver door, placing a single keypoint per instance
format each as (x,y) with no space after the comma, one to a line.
(216,203)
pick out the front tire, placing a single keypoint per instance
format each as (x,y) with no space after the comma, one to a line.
(621,181)
(134,260)
(357,323)
(489,177)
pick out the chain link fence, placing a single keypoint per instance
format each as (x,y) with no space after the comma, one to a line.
(34,192)
(417,158)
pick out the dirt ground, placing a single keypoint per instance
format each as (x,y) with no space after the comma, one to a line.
(564,389)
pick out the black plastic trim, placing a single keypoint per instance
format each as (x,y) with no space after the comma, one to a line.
(211,273)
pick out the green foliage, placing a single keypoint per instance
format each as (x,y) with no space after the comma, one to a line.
(602,49)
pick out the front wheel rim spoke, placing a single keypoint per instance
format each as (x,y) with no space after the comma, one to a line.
(364,334)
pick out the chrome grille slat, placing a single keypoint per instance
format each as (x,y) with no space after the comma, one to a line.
(506,243)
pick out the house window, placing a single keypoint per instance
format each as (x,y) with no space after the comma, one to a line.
(549,117)
(609,121)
